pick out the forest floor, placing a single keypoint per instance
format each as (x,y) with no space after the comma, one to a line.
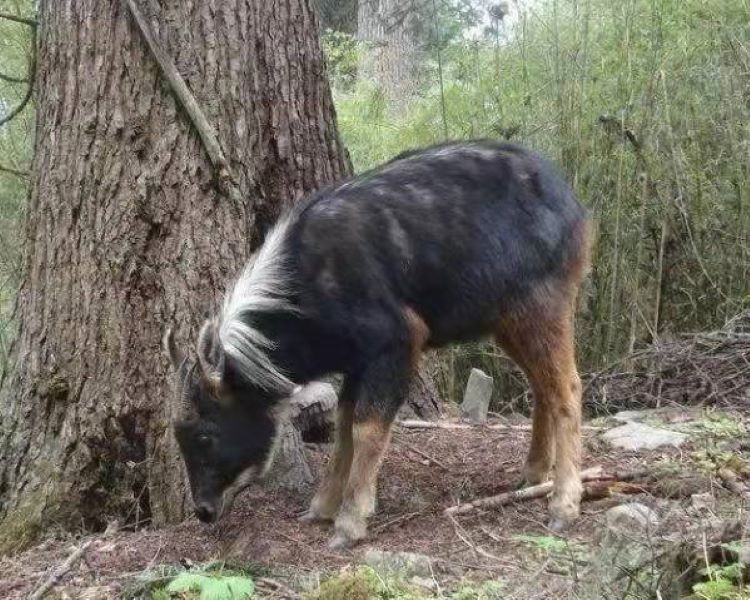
(426,471)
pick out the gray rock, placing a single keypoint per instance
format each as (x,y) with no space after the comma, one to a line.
(426,583)
(637,436)
(631,518)
(624,542)
(702,503)
(477,396)
(402,564)
(743,552)
(630,416)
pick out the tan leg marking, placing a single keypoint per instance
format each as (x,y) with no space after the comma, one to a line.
(419,333)
(327,500)
(371,440)
(540,340)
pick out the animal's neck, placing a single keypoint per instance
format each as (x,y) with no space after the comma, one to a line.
(300,349)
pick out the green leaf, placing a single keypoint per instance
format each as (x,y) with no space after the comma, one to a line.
(212,588)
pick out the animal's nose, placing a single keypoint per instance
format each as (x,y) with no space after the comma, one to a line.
(205,513)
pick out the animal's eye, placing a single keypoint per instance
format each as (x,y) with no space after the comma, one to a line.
(204,440)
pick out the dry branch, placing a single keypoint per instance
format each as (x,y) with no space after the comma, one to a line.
(18,19)
(16,172)
(538,491)
(426,456)
(206,132)
(32,67)
(416,424)
(61,571)
(13,79)
(702,369)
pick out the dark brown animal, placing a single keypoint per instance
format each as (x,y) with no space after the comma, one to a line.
(436,247)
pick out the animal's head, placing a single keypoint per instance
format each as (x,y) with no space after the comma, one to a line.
(227,428)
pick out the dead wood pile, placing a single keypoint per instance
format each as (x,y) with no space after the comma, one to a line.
(703,369)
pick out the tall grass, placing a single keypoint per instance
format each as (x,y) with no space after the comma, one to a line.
(645,105)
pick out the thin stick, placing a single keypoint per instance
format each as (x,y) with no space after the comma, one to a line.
(396,521)
(59,573)
(417,424)
(425,455)
(18,19)
(12,79)
(280,587)
(16,172)
(188,102)
(538,491)
(32,68)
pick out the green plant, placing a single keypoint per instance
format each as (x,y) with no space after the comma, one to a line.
(724,583)
(211,581)
(364,583)
(210,586)
(488,590)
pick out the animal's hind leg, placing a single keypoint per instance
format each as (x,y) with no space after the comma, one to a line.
(543,346)
(327,500)
(541,456)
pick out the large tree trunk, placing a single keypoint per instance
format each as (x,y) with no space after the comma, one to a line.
(126,233)
(395,32)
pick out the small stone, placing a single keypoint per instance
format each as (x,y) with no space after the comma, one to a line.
(702,503)
(637,436)
(477,396)
(402,564)
(742,550)
(629,416)
(425,583)
(631,518)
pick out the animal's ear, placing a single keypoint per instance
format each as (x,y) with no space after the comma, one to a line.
(211,358)
(170,349)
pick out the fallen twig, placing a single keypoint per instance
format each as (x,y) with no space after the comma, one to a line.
(188,102)
(425,455)
(280,588)
(61,571)
(594,474)
(397,520)
(596,490)
(416,424)
(32,68)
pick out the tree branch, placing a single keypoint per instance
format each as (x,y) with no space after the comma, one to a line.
(16,172)
(188,102)
(11,79)
(32,68)
(18,19)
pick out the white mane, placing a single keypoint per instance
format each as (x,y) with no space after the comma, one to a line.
(263,285)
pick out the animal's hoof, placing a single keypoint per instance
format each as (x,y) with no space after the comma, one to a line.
(340,542)
(313,517)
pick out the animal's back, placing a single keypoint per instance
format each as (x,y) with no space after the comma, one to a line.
(460,233)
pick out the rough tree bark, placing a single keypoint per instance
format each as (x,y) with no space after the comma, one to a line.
(395,31)
(126,232)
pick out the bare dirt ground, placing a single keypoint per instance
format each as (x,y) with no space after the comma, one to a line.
(425,471)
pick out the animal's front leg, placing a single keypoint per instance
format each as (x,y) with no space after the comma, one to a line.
(327,500)
(371,437)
